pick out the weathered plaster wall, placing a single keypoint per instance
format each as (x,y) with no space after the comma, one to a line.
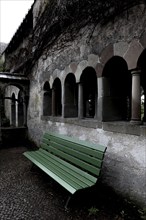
(125,161)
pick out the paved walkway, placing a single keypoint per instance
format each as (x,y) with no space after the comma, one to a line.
(27,193)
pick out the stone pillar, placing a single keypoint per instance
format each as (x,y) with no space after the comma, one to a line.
(103,98)
(80,101)
(53,102)
(25,112)
(96,102)
(0,120)
(13,113)
(63,101)
(136,98)
(16,113)
(11,123)
(144,117)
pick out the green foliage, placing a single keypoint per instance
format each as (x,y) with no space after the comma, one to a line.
(142,213)
(93,211)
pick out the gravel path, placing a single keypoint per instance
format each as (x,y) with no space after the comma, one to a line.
(26,193)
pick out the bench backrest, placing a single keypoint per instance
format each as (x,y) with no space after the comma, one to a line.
(82,154)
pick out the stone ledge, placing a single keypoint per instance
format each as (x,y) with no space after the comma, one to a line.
(115,126)
(124,128)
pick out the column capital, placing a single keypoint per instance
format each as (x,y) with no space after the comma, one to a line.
(80,83)
(135,71)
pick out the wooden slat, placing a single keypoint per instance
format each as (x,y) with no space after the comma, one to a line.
(51,174)
(51,165)
(85,166)
(85,177)
(81,156)
(73,163)
(60,171)
(80,142)
(67,171)
(95,152)
(51,168)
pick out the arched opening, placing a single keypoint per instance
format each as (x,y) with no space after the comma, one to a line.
(71,96)
(89,83)
(57,98)
(47,100)
(117,104)
(13,110)
(20,109)
(142,66)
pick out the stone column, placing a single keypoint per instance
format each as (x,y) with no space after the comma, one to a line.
(25,112)
(53,102)
(16,113)
(136,98)
(96,102)
(63,101)
(103,98)
(13,113)
(11,123)
(0,120)
(144,117)
(80,101)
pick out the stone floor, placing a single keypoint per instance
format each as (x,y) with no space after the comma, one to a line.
(26,193)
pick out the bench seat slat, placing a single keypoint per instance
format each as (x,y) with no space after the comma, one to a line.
(73,181)
(74,164)
(78,173)
(60,172)
(54,169)
(64,168)
(85,166)
(67,186)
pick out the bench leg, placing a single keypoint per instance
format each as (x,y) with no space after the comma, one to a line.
(67,202)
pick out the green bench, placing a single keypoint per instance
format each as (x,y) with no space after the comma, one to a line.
(72,163)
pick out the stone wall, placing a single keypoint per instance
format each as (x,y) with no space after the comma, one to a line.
(125,160)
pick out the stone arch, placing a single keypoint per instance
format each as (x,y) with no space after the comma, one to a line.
(47,99)
(88,81)
(71,68)
(21,95)
(57,98)
(70,96)
(118,89)
(132,54)
(10,100)
(56,74)
(16,85)
(106,54)
(142,66)
(81,66)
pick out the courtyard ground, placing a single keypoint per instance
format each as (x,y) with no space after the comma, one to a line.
(26,193)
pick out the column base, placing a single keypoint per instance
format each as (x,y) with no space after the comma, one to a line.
(135,122)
